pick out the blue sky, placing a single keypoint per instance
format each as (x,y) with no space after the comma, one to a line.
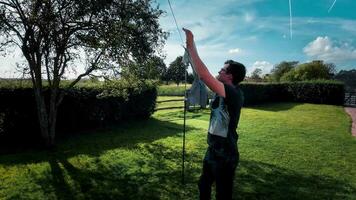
(257,32)
(254,32)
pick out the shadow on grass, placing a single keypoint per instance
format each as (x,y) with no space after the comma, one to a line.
(126,136)
(274,107)
(257,180)
(179,115)
(154,178)
(156,174)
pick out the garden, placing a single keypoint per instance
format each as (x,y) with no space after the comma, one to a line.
(89,108)
(288,150)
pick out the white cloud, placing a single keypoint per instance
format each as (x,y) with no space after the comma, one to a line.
(212,21)
(235,51)
(265,66)
(172,50)
(231,23)
(324,49)
(348,25)
(249,17)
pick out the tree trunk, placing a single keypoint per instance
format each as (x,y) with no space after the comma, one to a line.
(47,120)
(53,116)
(43,116)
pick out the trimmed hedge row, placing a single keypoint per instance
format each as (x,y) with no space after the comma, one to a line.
(82,108)
(88,107)
(319,91)
(322,92)
(256,93)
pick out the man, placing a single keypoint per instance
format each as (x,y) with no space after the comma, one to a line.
(222,155)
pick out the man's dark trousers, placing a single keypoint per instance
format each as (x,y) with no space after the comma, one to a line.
(220,170)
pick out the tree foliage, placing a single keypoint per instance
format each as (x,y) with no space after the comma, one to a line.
(176,70)
(310,71)
(153,68)
(256,75)
(53,34)
(280,69)
(348,77)
(190,78)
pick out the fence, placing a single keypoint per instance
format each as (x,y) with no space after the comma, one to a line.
(350,99)
(179,104)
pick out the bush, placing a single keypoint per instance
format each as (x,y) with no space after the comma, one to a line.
(321,92)
(83,107)
(318,91)
(256,93)
(109,103)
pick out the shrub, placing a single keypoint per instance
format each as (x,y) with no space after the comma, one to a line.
(318,91)
(107,104)
(256,93)
(83,107)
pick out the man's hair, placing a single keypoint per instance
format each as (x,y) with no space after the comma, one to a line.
(237,70)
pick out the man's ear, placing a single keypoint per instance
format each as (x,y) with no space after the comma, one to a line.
(230,76)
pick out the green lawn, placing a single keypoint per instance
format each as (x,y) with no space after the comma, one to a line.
(167,102)
(288,151)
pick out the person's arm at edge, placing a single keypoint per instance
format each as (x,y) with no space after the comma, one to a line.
(203,72)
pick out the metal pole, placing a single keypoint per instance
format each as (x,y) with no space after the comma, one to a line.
(185,96)
(184,124)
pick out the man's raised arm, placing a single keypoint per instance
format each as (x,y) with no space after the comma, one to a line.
(203,72)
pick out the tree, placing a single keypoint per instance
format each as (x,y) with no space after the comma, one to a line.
(267,78)
(165,77)
(176,70)
(256,75)
(310,71)
(53,34)
(153,68)
(348,77)
(190,78)
(280,69)
(156,68)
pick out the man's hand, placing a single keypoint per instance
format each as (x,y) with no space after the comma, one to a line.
(189,37)
(203,72)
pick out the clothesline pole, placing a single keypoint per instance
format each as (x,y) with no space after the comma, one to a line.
(185,97)
(184,124)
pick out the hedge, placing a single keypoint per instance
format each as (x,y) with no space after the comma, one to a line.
(83,107)
(256,93)
(317,91)
(320,92)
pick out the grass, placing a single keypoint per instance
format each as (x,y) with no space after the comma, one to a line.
(172,90)
(288,151)
(168,102)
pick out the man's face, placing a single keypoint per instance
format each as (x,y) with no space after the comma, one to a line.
(223,75)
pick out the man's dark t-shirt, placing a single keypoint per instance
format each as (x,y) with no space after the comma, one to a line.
(221,148)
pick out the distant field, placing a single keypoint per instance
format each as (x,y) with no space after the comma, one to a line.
(172,90)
